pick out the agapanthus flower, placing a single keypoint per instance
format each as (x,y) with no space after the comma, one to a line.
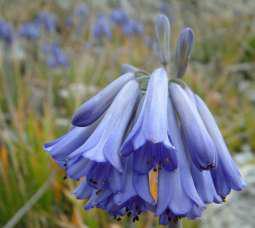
(102,28)
(47,20)
(119,16)
(147,143)
(55,56)
(30,30)
(148,139)
(6,32)
(132,28)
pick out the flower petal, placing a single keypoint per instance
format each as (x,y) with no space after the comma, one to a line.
(198,141)
(149,133)
(105,142)
(92,109)
(228,169)
(141,186)
(65,145)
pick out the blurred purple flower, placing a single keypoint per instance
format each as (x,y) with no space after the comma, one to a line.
(47,20)
(6,31)
(30,30)
(102,28)
(132,28)
(119,16)
(55,56)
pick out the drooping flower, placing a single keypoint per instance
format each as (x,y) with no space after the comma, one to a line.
(135,195)
(148,139)
(6,32)
(120,135)
(102,28)
(30,30)
(199,143)
(226,175)
(55,56)
(92,109)
(132,28)
(177,193)
(47,20)
(119,16)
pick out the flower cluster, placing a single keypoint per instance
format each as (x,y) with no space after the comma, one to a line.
(155,148)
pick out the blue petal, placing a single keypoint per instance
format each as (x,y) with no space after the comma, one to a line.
(92,109)
(164,191)
(228,169)
(205,186)
(183,161)
(198,141)
(150,128)
(65,145)
(176,189)
(142,188)
(128,190)
(202,179)
(143,161)
(78,168)
(83,191)
(105,142)
(115,181)
(220,182)
(97,197)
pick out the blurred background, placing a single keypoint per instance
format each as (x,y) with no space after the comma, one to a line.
(54,54)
